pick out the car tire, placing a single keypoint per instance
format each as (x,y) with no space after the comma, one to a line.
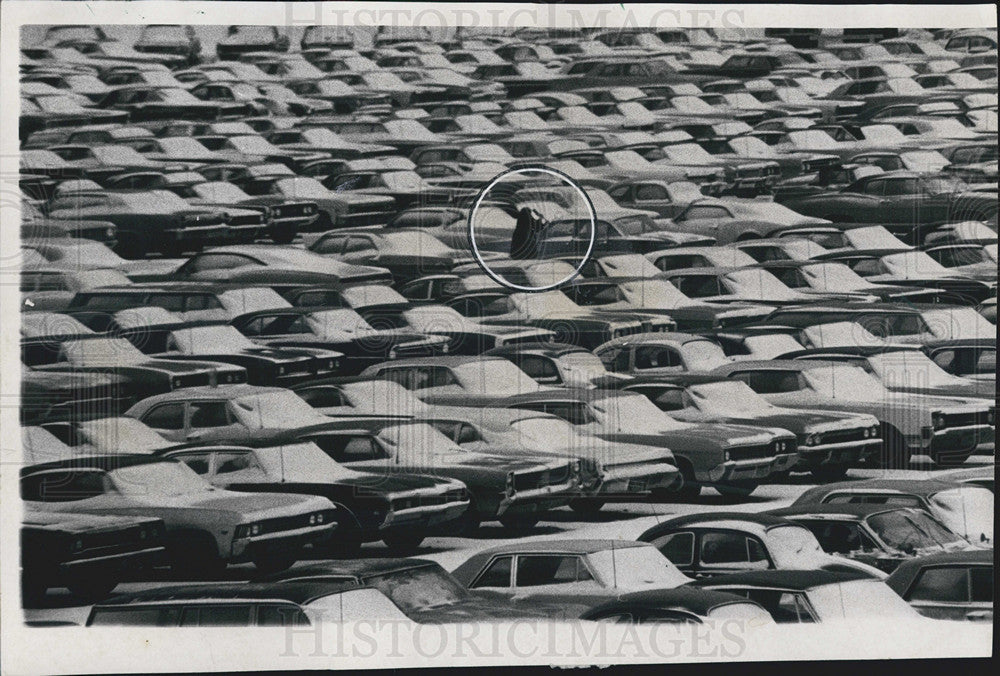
(689,489)
(92,588)
(403,541)
(895,453)
(586,506)
(828,473)
(194,555)
(275,563)
(519,522)
(469,522)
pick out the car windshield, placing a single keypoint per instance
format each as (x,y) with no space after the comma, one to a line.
(912,531)
(304,462)
(913,265)
(967,511)
(742,611)
(102,352)
(861,599)
(218,191)
(795,547)
(910,369)
(629,413)
(654,293)
(495,377)
(547,434)
(758,284)
(846,382)
(833,277)
(302,187)
(959,322)
(839,334)
(210,340)
(730,398)
(751,146)
(416,243)
(635,567)
(583,362)
(158,478)
(875,237)
(419,589)
(418,441)
(771,346)
(341,324)
(117,435)
(275,410)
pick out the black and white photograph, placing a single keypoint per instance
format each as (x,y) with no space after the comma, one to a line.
(597,335)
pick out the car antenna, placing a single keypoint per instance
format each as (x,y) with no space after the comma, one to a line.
(614,566)
(213,377)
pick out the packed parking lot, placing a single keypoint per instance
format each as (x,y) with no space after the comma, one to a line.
(719,344)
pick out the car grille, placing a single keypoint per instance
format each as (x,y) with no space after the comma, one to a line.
(965,419)
(102,542)
(294,211)
(245,219)
(843,436)
(430,499)
(810,166)
(752,452)
(531,480)
(294,522)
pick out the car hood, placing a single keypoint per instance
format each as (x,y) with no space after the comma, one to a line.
(247,506)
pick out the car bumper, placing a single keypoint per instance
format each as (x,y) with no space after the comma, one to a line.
(203,233)
(282,541)
(429,515)
(964,438)
(746,470)
(846,452)
(531,500)
(635,480)
(143,558)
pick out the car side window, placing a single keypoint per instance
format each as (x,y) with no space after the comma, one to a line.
(206,414)
(331,245)
(793,607)
(232,462)
(537,570)
(726,548)
(656,357)
(280,615)
(165,417)
(323,397)
(840,538)
(678,547)
(944,583)
(541,369)
(496,574)
(651,192)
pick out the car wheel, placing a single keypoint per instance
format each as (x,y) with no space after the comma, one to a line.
(740,489)
(275,563)
(194,555)
(403,541)
(93,588)
(468,523)
(519,522)
(586,506)
(895,452)
(829,472)
(689,489)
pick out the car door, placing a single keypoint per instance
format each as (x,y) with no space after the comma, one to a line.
(953,592)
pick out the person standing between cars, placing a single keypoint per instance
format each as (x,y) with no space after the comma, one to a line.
(527,232)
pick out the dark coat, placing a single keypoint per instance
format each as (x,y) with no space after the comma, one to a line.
(524,242)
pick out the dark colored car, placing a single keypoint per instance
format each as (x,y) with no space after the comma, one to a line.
(240,40)
(948,586)
(684,605)
(84,552)
(422,589)
(394,507)
(883,536)
(169,39)
(342,330)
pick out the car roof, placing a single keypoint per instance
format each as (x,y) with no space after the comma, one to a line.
(350,568)
(667,337)
(205,392)
(581,546)
(856,510)
(106,462)
(295,592)
(903,577)
(450,360)
(796,580)
(539,348)
(920,487)
(761,519)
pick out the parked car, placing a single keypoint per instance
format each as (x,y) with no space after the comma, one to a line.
(683,605)
(948,586)
(87,553)
(206,528)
